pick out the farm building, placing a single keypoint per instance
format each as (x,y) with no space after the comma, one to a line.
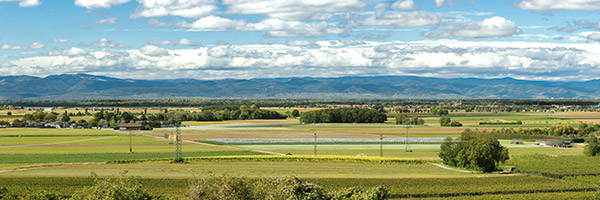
(553,142)
(131,127)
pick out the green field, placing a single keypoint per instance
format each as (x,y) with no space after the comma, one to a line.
(60,160)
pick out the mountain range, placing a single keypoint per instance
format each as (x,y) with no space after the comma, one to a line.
(89,87)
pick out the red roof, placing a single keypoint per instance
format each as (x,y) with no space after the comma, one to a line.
(131,125)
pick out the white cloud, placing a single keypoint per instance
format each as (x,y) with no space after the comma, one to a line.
(301,43)
(105,43)
(181,8)
(160,42)
(594,36)
(154,51)
(489,27)
(273,27)
(110,20)
(439,3)
(72,51)
(590,36)
(295,9)
(541,5)
(281,28)
(159,8)
(400,19)
(59,40)
(158,23)
(25,3)
(11,47)
(454,58)
(211,23)
(93,4)
(186,42)
(404,5)
(37,45)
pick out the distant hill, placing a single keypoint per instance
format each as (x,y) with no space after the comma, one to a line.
(88,87)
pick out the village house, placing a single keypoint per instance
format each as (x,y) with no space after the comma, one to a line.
(553,142)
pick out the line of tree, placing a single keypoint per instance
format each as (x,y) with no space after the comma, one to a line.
(488,104)
(168,117)
(404,119)
(564,130)
(343,115)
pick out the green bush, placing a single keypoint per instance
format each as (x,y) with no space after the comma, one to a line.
(123,188)
(229,188)
(592,148)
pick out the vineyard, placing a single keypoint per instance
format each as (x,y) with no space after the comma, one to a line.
(557,166)
(447,187)
(471,188)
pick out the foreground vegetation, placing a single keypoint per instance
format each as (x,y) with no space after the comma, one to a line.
(58,161)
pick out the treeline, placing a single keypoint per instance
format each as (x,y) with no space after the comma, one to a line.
(344,115)
(584,130)
(108,119)
(488,104)
(171,117)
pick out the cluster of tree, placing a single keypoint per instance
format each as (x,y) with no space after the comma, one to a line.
(593,147)
(404,119)
(446,121)
(4,123)
(343,115)
(40,117)
(112,118)
(209,188)
(478,153)
(439,111)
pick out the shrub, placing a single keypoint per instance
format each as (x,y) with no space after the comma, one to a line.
(123,188)
(360,193)
(228,188)
(592,148)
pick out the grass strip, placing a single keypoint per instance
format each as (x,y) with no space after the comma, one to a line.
(272,158)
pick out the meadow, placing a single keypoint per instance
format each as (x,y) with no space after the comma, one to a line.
(60,160)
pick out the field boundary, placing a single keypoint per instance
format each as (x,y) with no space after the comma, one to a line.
(277,158)
(474,194)
(452,169)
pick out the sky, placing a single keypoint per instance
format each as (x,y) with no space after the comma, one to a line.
(550,40)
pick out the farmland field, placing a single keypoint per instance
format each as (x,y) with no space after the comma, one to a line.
(60,160)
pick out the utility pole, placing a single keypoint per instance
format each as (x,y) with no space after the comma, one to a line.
(178,154)
(315,149)
(380,145)
(406,142)
(130,144)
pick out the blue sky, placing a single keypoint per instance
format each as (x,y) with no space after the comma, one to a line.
(554,40)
